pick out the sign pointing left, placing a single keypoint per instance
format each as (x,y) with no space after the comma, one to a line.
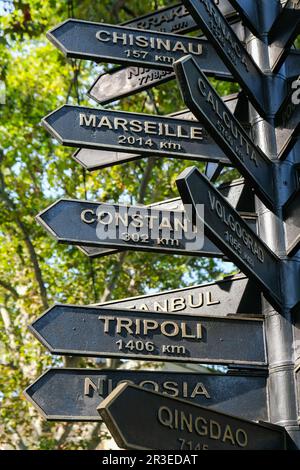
(142,419)
(101,42)
(230,49)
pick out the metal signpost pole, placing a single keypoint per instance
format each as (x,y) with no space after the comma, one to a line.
(279,324)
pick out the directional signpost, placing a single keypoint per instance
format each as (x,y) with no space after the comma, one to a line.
(230,233)
(108,332)
(234,55)
(123,45)
(283,33)
(143,419)
(235,295)
(141,134)
(130,80)
(75,394)
(208,107)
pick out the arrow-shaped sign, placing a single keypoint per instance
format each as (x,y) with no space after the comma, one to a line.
(224,226)
(96,159)
(208,107)
(127,227)
(74,394)
(141,134)
(143,419)
(171,246)
(249,13)
(291,216)
(283,33)
(132,334)
(228,45)
(235,294)
(102,42)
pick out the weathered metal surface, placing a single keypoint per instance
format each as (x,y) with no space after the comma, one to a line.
(230,49)
(233,295)
(132,334)
(141,134)
(249,13)
(74,394)
(176,19)
(208,107)
(224,226)
(142,419)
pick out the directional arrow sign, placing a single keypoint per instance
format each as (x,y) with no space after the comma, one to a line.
(124,45)
(141,134)
(96,159)
(236,294)
(207,106)
(224,226)
(106,332)
(291,216)
(283,33)
(143,419)
(74,394)
(228,45)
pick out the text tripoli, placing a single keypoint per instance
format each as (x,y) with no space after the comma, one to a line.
(148,127)
(188,422)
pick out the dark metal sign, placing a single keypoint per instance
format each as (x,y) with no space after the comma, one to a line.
(143,419)
(283,33)
(141,134)
(107,332)
(126,227)
(233,295)
(131,46)
(96,159)
(122,82)
(175,19)
(237,193)
(291,216)
(228,45)
(249,13)
(208,248)
(74,394)
(207,106)
(224,226)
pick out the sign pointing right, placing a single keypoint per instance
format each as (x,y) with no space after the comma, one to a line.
(224,226)
(142,419)
(208,107)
